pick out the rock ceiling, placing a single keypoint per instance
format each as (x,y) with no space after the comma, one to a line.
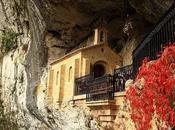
(71,21)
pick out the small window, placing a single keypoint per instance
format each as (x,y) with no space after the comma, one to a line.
(70,74)
(57,77)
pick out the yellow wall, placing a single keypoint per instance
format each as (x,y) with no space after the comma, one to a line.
(101,54)
(61,86)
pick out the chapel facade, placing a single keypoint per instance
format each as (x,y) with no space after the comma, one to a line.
(96,59)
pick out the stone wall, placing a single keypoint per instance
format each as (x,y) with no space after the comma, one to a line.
(126,52)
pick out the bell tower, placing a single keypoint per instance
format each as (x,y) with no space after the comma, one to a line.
(100,36)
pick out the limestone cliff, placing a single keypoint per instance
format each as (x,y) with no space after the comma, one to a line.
(48,29)
(23,67)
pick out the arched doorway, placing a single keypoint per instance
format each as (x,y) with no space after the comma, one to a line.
(98,70)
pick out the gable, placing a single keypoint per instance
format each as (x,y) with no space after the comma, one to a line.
(102,52)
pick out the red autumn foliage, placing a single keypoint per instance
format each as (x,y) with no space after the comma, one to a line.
(158,93)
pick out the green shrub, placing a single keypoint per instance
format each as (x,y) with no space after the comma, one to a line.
(8,40)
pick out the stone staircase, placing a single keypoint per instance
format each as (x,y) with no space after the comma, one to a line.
(107,121)
(104,112)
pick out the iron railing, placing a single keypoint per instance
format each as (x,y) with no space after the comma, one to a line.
(100,88)
(95,88)
(121,75)
(163,34)
(81,84)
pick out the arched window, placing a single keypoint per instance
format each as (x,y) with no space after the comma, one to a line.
(70,74)
(50,87)
(57,77)
(98,70)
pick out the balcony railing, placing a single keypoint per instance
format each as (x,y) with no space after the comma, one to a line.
(95,88)
(100,88)
(81,84)
(121,75)
(163,34)
(103,88)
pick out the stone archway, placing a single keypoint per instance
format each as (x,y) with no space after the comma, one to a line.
(99,69)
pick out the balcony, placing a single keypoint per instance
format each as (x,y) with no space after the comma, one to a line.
(103,88)
(81,84)
(100,88)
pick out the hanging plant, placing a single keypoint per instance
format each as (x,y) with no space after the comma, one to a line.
(8,40)
(156,98)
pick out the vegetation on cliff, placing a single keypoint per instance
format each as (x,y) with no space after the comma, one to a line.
(8,40)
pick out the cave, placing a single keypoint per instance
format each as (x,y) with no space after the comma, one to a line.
(67,64)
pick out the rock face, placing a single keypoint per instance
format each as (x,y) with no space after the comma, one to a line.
(22,71)
(123,119)
(50,29)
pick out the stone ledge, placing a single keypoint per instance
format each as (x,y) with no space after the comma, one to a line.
(120,94)
(101,103)
(80,97)
(107,118)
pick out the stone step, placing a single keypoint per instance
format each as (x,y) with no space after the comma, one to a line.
(107,118)
(107,121)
